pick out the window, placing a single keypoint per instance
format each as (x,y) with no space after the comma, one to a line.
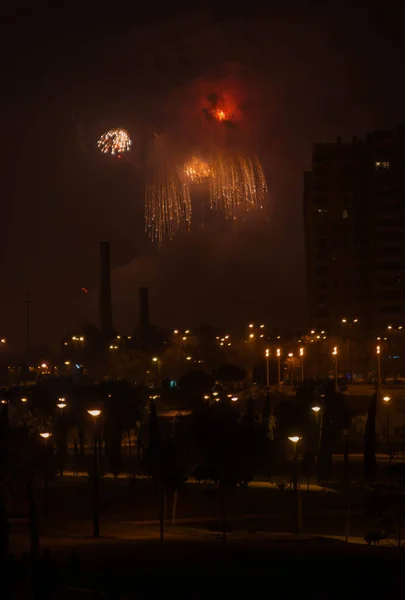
(345,213)
(381,165)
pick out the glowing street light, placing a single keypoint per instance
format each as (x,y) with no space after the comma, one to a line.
(302,363)
(94,413)
(335,355)
(24,400)
(46,435)
(159,365)
(387,399)
(316,410)
(378,352)
(267,369)
(96,499)
(278,352)
(234,398)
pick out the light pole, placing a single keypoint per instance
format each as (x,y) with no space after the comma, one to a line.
(278,365)
(157,361)
(349,323)
(291,357)
(378,352)
(267,369)
(387,402)
(96,495)
(61,405)
(46,435)
(295,439)
(335,356)
(316,410)
(302,364)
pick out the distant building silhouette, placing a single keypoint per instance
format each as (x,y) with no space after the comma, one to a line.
(354,211)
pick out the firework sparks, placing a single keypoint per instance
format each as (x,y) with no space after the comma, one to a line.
(167,205)
(220,114)
(237,181)
(197,170)
(115,142)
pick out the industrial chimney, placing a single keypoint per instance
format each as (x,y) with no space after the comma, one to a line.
(144,316)
(105,308)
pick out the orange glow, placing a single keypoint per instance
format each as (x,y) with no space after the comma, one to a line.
(220,113)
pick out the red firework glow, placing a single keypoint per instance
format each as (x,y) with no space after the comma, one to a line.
(220,114)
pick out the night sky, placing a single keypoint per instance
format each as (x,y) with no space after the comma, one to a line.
(305,74)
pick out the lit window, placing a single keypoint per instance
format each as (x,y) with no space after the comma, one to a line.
(345,214)
(384,164)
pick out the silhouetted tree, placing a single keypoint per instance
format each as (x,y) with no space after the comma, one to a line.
(226,450)
(228,373)
(334,417)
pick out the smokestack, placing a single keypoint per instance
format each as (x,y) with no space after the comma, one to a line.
(105,308)
(144,316)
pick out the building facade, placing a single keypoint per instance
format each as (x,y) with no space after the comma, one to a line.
(354,216)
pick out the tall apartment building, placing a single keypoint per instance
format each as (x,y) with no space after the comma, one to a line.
(354,214)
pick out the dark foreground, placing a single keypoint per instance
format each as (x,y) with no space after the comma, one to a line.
(204,568)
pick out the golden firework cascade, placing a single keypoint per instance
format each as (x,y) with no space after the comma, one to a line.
(197,170)
(114,142)
(237,182)
(167,204)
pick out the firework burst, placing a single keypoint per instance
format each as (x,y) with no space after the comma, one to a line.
(167,204)
(197,170)
(237,182)
(115,142)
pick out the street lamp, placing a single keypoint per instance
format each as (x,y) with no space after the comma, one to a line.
(157,361)
(234,398)
(46,435)
(387,399)
(95,413)
(278,365)
(24,400)
(295,439)
(291,356)
(302,363)
(378,352)
(335,355)
(62,435)
(316,410)
(267,368)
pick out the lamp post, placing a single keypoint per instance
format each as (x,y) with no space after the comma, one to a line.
(335,356)
(387,399)
(46,435)
(378,352)
(157,361)
(291,357)
(278,365)
(316,410)
(302,364)
(267,369)
(96,496)
(348,324)
(298,516)
(61,405)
